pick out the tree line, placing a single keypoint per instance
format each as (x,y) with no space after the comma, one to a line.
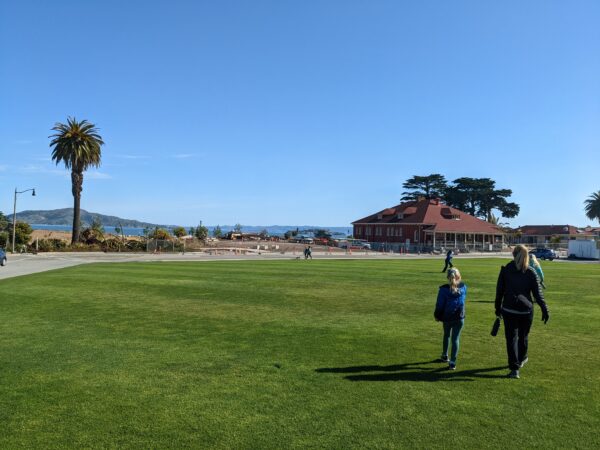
(477,196)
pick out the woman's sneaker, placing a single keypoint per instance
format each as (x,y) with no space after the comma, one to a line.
(513,374)
(452,366)
(443,358)
(523,362)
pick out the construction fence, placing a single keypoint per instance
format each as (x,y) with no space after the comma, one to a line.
(388,247)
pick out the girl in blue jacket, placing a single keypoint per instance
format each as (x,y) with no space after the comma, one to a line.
(535,265)
(450,309)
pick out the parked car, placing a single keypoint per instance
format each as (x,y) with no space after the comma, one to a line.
(358,244)
(2,257)
(354,244)
(544,253)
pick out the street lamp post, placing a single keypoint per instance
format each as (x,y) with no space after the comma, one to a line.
(15,213)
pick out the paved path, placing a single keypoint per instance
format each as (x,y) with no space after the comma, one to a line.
(27,264)
(18,265)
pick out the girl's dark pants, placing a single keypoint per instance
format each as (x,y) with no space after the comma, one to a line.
(516,330)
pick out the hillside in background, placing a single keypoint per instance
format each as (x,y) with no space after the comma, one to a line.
(64,216)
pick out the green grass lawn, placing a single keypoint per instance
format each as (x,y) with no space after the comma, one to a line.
(289,354)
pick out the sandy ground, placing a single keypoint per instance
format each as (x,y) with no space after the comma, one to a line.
(47,234)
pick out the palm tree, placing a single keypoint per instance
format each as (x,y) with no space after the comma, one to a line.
(77,145)
(592,206)
(495,220)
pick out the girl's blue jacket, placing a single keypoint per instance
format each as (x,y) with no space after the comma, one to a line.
(450,306)
(538,270)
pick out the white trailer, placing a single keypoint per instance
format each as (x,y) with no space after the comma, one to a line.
(587,249)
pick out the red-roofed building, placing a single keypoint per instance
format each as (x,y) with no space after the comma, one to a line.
(427,224)
(592,230)
(543,234)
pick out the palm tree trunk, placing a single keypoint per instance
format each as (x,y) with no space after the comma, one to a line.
(76,188)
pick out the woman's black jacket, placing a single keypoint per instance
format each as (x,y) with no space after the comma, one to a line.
(513,283)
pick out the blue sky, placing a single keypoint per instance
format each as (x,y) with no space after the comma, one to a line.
(314,112)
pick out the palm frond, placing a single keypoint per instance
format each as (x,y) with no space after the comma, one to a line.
(592,206)
(76,144)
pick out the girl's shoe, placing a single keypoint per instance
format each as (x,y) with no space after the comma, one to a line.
(452,366)
(443,358)
(513,374)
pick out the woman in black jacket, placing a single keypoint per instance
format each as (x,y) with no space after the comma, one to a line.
(516,284)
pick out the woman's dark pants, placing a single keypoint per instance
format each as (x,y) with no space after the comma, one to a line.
(516,330)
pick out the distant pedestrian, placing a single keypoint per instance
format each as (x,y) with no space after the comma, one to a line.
(516,284)
(308,252)
(450,309)
(448,261)
(536,266)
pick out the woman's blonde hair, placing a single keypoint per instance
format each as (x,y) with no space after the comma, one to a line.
(521,257)
(453,279)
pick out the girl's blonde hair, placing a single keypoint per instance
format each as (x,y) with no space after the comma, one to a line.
(453,279)
(521,257)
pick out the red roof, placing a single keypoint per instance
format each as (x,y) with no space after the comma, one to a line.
(550,230)
(433,213)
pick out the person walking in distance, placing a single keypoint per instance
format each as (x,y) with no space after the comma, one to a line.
(517,284)
(308,252)
(448,261)
(450,309)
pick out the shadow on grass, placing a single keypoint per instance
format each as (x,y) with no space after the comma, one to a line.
(393,368)
(412,372)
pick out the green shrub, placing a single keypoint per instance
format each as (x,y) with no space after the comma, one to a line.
(217,232)
(4,239)
(118,245)
(22,233)
(91,236)
(201,232)
(160,234)
(50,245)
(179,232)
(82,247)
